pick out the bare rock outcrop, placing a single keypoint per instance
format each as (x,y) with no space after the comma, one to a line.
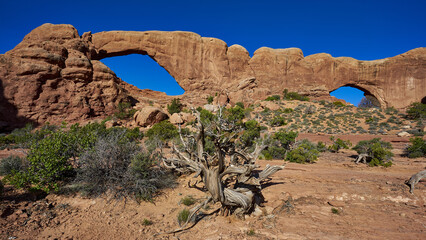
(50,76)
(55,75)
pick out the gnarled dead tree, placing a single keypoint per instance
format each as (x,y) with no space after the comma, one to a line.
(227,172)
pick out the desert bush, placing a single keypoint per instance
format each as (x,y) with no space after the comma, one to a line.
(293,96)
(209,99)
(163,131)
(378,152)
(310,110)
(369,102)
(119,166)
(417,148)
(183,216)
(321,147)
(273,98)
(251,133)
(175,106)
(288,110)
(146,222)
(240,104)
(416,111)
(187,200)
(277,121)
(280,143)
(48,163)
(338,104)
(339,144)
(235,113)
(125,110)
(12,164)
(304,152)
(26,136)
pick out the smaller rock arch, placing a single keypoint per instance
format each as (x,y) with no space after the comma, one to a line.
(367,93)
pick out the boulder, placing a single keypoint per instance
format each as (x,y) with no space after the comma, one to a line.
(404,134)
(271,105)
(176,119)
(149,116)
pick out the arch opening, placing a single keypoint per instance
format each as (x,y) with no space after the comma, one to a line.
(144,73)
(356,95)
(423,100)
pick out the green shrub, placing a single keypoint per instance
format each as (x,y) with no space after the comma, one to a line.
(304,152)
(251,232)
(240,104)
(417,148)
(277,121)
(339,144)
(206,116)
(209,99)
(293,96)
(183,216)
(338,104)
(416,111)
(125,110)
(48,163)
(288,110)
(146,222)
(280,144)
(273,98)
(175,106)
(163,130)
(251,133)
(378,151)
(335,211)
(12,164)
(25,137)
(235,114)
(188,200)
(321,147)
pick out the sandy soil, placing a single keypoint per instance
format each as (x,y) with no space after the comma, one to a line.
(369,203)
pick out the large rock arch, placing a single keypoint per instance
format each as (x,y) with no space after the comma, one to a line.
(208,65)
(55,74)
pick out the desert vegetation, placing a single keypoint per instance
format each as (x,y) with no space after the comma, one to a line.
(220,149)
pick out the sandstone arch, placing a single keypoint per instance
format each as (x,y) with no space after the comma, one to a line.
(55,74)
(144,73)
(207,65)
(367,93)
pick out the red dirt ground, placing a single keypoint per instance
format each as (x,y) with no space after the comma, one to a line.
(370,203)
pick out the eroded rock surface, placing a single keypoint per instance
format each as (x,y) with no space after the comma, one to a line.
(55,75)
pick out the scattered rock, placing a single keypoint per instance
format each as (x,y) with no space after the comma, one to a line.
(176,119)
(149,116)
(404,134)
(271,105)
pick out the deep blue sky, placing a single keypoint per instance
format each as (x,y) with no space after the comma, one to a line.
(363,29)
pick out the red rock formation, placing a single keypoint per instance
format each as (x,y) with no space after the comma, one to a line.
(206,66)
(49,76)
(54,74)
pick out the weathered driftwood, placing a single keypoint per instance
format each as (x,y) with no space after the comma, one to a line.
(362,157)
(415,179)
(228,175)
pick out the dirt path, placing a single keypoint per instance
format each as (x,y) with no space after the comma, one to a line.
(370,203)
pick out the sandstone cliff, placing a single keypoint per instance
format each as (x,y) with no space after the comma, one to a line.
(55,74)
